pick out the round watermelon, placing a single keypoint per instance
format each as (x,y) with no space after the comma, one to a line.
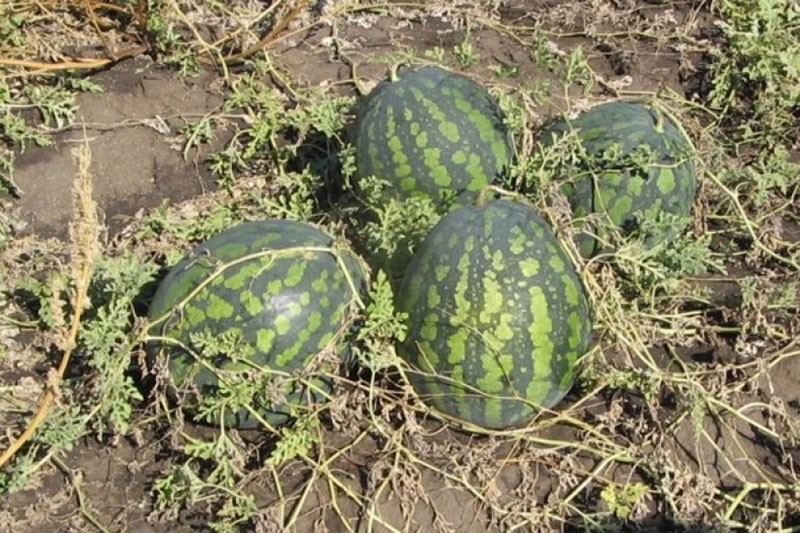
(277,293)
(633,163)
(497,316)
(431,133)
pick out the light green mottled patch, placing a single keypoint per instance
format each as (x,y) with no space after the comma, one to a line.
(488,226)
(462,284)
(412,294)
(541,326)
(264,340)
(504,332)
(576,330)
(391,124)
(300,348)
(294,308)
(430,106)
(399,159)
(320,283)
(457,344)
(486,130)
(492,298)
(529,267)
(655,208)
(192,316)
(621,209)
(395,145)
(218,308)
(493,410)
(408,115)
(491,342)
(569,373)
(538,389)
(314,321)
(496,369)
(452,241)
(428,359)
(421,139)
(323,342)
(290,354)
(500,151)
(294,274)
(251,303)
(450,131)
(570,290)
(230,250)
(459,157)
(469,244)
(413,128)
(403,170)
(437,171)
(243,276)
(408,184)
(434,299)
(517,244)
(457,376)
(666,181)
(441,272)
(372,151)
(274,287)
(265,241)
(305,298)
(475,171)
(498,261)
(429,328)
(282,324)
(461,103)
(634,186)
(540,331)
(556,263)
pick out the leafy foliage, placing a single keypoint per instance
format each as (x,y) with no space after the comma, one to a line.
(758,71)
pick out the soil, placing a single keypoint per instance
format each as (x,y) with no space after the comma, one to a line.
(132,128)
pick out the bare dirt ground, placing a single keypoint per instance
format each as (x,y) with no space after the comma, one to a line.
(134,131)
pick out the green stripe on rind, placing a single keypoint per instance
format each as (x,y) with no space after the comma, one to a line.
(442,127)
(498,363)
(285,328)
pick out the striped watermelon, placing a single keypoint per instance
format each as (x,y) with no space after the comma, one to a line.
(279,288)
(652,173)
(431,133)
(497,316)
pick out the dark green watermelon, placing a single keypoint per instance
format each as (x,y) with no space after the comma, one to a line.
(431,133)
(277,286)
(637,166)
(497,316)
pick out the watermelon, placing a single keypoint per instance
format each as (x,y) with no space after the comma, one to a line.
(497,316)
(278,290)
(431,133)
(635,165)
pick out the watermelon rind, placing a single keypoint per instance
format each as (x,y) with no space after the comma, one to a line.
(285,289)
(429,132)
(497,316)
(634,166)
